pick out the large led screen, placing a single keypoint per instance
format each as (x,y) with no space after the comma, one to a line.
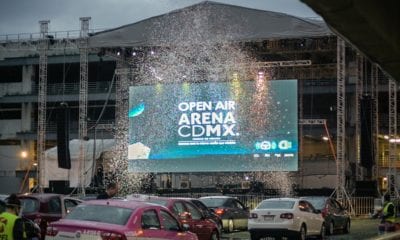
(214,127)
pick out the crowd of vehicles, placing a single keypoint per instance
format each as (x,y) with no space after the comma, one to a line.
(206,218)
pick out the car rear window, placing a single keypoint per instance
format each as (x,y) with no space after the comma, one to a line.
(29,205)
(318,203)
(158,201)
(200,205)
(101,213)
(213,202)
(276,205)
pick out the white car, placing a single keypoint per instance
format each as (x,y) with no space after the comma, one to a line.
(285,217)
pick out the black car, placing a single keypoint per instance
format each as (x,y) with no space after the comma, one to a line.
(234,214)
(335,215)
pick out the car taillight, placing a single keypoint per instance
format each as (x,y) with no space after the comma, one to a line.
(138,233)
(112,236)
(253,215)
(219,211)
(324,212)
(51,231)
(287,215)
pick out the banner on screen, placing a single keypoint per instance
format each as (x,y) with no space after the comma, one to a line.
(214,127)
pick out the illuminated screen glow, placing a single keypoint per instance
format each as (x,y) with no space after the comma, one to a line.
(214,127)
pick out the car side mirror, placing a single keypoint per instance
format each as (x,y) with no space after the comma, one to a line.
(317,211)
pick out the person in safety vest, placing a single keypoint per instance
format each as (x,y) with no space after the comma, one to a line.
(389,211)
(11,225)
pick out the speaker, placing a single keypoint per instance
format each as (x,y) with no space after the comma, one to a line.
(59,186)
(366,138)
(366,188)
(63,155)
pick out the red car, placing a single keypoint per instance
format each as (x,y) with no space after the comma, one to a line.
(43,208)
(188,213)
(118,220)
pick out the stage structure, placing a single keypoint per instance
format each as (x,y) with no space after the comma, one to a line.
(392,172)
(42,101)
(128,67)
(359,94)
(341,193)
(83,99)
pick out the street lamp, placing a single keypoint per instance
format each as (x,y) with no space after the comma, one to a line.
(24,154)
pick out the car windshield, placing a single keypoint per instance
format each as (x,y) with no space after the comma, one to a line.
(29,205)
(213,202)
(100,213)
(318,203)
(276,205)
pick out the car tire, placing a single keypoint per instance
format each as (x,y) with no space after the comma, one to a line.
(302,233)
(330,229)
(220,227)
(322,234)
(214,235)
(346,228)
(231,227)
(254,236)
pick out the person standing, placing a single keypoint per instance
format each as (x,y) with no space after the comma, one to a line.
(389,214)
(11,225)
(111,191)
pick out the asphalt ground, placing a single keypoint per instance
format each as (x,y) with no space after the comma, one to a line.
(361,229)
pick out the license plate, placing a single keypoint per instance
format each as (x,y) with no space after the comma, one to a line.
(268,217)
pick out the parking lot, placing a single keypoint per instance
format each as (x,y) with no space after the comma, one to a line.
(361,229)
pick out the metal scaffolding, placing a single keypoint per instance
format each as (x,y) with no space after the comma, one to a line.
(340,190)
(392,170)
(42,103)
(83,100)
(359,93)
(301,141)
(375,117)
(120,164)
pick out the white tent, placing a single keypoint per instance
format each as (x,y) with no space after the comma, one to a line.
(54,173)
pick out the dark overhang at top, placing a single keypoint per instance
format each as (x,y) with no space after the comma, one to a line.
(371,26)
(209,22)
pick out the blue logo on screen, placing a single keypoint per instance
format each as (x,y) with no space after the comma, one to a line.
(136,111)
(273,145)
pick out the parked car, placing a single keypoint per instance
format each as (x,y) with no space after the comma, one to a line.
(188,213)
(234,214)
(336,217)
(207,213)
(119,220)
(286,217)
(43,208)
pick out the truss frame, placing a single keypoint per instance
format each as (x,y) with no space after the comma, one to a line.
(83,101)
(392,170)
(42,103)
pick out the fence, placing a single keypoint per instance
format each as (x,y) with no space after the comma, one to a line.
(362,206)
